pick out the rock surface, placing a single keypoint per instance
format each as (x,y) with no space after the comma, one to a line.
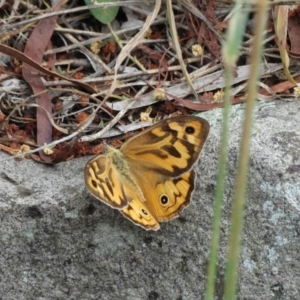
(57,242)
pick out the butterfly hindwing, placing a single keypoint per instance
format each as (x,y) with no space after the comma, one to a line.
(166,197)
(138,213)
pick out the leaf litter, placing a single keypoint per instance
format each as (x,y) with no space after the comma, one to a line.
(68,80)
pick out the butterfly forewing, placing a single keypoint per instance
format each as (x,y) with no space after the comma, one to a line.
(103,182)
(170,147)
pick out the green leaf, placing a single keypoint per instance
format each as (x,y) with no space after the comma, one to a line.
(103,14)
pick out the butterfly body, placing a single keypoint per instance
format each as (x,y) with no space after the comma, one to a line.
(150,178)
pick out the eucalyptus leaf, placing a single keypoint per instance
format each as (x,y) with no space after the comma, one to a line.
(103,14)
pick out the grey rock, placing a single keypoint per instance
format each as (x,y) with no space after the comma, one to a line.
(57,242)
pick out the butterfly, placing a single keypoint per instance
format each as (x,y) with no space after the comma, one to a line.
(149,180)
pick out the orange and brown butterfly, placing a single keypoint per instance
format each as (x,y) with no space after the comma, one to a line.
(150,178)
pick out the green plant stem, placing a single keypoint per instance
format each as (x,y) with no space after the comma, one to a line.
(230,54)
(219,190)
(239,196)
